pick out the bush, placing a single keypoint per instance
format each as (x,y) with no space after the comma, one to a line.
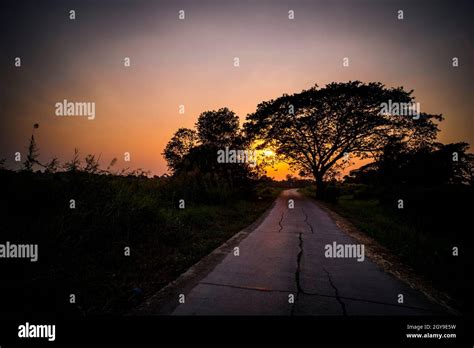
(81,250)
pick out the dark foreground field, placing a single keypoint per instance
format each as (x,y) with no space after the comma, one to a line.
(82,250)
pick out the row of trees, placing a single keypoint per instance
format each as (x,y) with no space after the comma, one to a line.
(433,165)
(194,151)
(315,131)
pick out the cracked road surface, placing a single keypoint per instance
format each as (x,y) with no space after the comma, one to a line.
(284,256)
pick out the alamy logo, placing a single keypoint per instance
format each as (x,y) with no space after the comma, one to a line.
(401,109)
(335,250)
(26,251)
(37,331)
(67,108)
(237,156)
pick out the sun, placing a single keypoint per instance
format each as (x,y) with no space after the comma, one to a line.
(268,153)
(273,166)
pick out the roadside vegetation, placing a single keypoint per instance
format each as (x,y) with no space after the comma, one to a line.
(82,250)
(168,223)
(437,199)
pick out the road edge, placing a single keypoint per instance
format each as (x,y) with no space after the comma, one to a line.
(389,262)
(165,300)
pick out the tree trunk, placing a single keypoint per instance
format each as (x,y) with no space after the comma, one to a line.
(320,187)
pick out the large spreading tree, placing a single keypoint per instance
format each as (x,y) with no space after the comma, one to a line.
(315,130)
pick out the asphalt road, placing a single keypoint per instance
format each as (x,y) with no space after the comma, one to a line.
(282,269)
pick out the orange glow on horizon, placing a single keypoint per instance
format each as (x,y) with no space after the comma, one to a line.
(190,63)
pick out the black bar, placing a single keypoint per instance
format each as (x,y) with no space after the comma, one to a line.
(240,330)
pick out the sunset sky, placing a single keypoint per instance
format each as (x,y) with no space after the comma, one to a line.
(190,62)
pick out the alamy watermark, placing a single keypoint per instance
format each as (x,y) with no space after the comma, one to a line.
(345,251)
(237,156)
(28,330)
(21,251)
(67,108)
(401,109)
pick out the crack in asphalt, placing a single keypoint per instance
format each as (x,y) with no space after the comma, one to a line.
(355,299)
(338,299)
(299,289)
(279,222)
(245,287)
(316,294)
(306,220)
(279,295)
(298,263)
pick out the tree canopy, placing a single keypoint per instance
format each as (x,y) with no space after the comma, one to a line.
(196,151)
(183,140)
(218,128)
(314,130)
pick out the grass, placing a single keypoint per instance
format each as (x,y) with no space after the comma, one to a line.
(422,234)
(380,223)
(82,250)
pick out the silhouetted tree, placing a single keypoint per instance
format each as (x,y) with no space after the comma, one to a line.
(458,162)
(428,166)
(215,130)
(179,146)
(437,164)
(194,155)
(218,128)
(315,129)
